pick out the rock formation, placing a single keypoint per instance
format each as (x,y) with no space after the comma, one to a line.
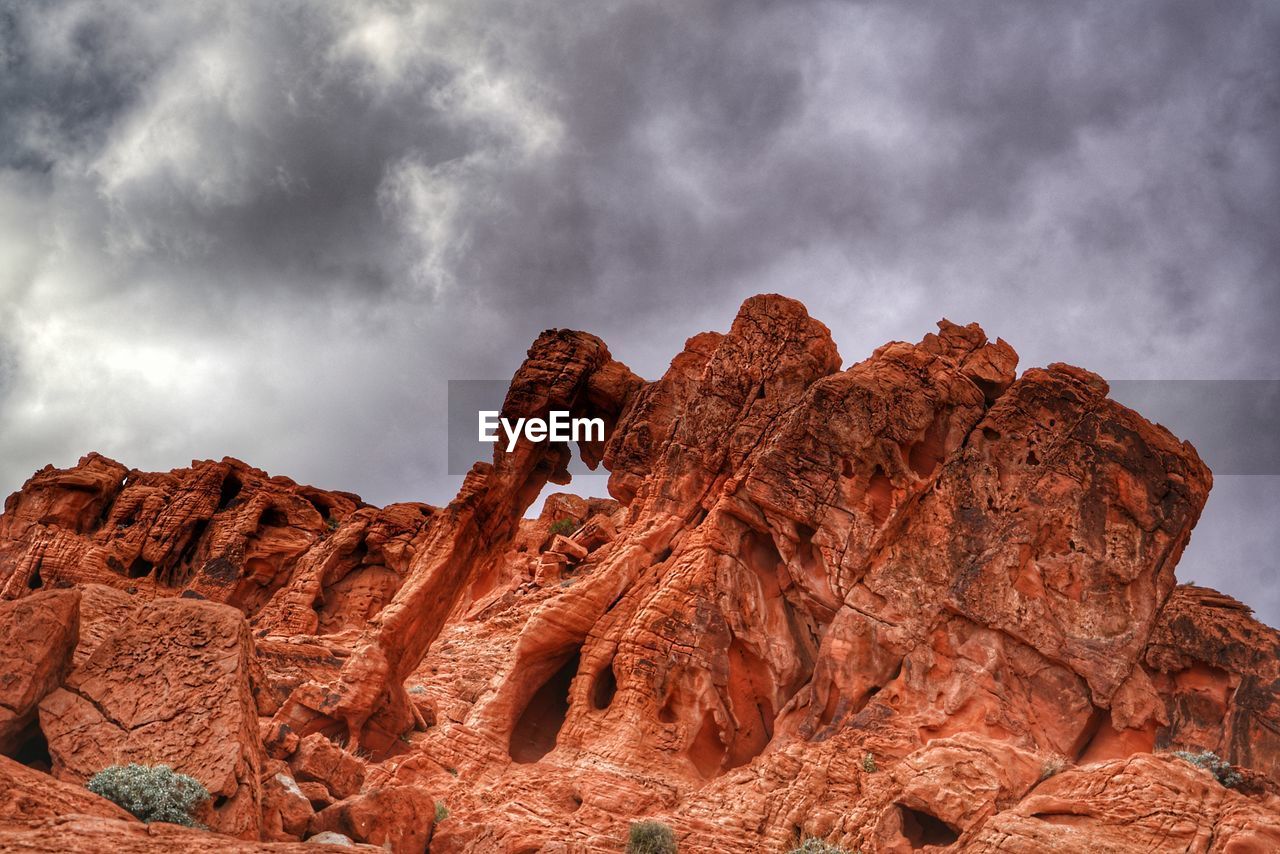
(919,602)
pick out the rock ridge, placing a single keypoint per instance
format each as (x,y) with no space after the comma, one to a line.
(920,601)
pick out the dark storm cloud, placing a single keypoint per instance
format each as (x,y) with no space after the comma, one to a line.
(276,229)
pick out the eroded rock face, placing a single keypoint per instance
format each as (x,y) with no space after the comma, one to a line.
(29,797)
(38,635)
(917,601)
(171,687)
(314,561)
(1143,803)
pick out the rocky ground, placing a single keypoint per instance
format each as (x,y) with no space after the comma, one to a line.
(918,603)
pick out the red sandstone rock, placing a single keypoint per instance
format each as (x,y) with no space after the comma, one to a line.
(368,698)
(286,810)
(396,818)
(1144,803)
(103,612)
(564,546)
(915,601)
(78,834)
(37,637)
(172,687)
(319,760)
(29,798)
(316,793)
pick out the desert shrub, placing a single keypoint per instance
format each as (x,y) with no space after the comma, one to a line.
(1214,764)
(869,763)
(651,837)
(564,527)
(813,845)
(152,793)
(442,811)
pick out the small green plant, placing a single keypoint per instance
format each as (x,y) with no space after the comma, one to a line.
(813,845)
(152,793)
(1214,764)
(564,527)
(442,811)
(331,523)
(869,763)
(651,837)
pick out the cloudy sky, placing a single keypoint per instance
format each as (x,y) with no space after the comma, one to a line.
(275,229)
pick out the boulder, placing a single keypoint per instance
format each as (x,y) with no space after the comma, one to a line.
(171,688)
(318,760)
(38,635)
(398,819)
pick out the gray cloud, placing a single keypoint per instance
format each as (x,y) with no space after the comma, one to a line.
(276,229)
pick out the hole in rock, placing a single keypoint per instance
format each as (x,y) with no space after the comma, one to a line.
(990,434)
(991,391)
(707,750)
(273,517)
(1086,736)
(33,749)
(535,731)
(320,506)
(879,497)
(1032,459)
(606,685)
(231,487)
(140,568)
(921,829)
(923,457)
(667,714)
(35,582)
(750,692)
(219,802)
(846,468)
